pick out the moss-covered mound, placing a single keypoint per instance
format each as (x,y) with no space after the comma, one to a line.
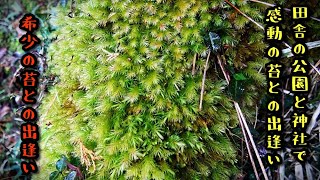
(127,104)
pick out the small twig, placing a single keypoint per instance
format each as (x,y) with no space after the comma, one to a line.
(255,122)
(244,14)
(242,154)
(259,25)
(314,68)
(288,46)
(313,120)
(291,109)
(251,139)
(110,55)
(316,65)
(224,60)
(248,147)
(203,80)
(194,64)
(5,147)
(226,76)
(260,69)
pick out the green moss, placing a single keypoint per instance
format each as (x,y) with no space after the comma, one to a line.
(127,94)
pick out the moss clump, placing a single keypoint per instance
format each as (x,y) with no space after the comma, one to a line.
(127,104)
